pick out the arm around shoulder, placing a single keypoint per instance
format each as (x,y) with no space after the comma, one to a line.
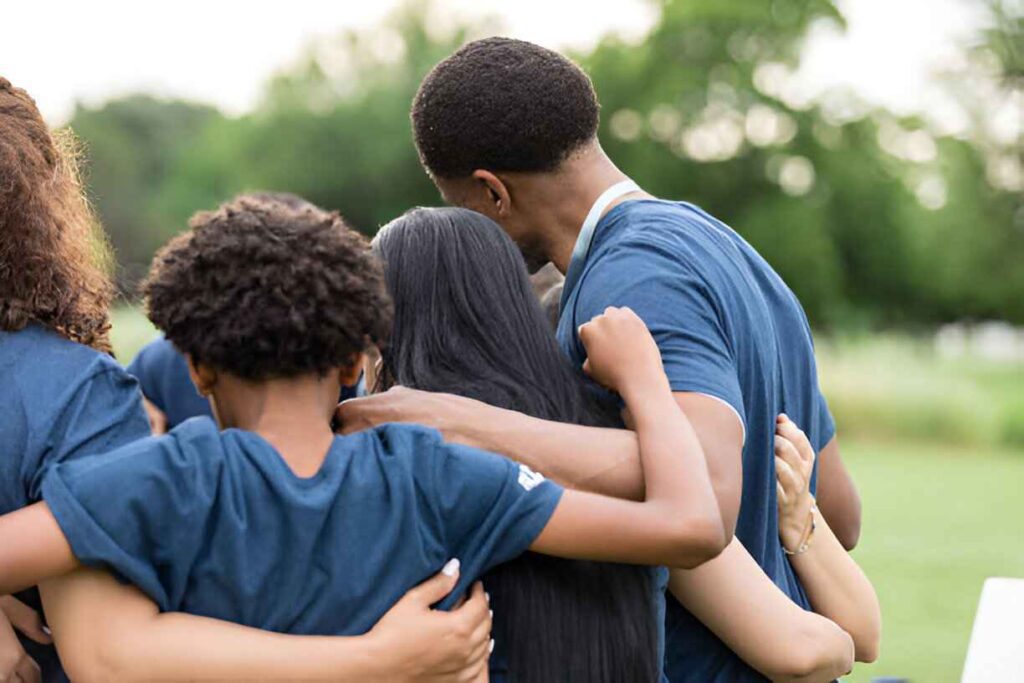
(679,523)
(106,631)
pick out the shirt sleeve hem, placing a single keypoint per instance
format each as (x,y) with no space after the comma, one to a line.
(535,521)
(682,388)
(91,545)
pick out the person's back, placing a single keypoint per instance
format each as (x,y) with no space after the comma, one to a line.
(61,401)
(223,526)
(657,256)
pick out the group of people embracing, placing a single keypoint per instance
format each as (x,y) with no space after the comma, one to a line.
(651,491)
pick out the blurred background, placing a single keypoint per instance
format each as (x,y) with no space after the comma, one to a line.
(872,150)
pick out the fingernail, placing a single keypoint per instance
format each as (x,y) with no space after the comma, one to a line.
(487,595)
(783,416)
(451,567)
(490,646)
(46,630)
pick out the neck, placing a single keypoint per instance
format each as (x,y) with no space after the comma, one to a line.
(293,415)
(566,197)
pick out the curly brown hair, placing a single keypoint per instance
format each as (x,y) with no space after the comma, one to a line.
(261,289)
(54,257)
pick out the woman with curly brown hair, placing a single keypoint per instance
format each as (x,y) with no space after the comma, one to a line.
(63,397)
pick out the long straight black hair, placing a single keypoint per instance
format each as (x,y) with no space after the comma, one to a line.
(467,322)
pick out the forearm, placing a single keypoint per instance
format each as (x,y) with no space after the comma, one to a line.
(32,549)
(736,600)
(837,496)
(678,484)
(107,631)
(185,647)
(594,459)
(839,589)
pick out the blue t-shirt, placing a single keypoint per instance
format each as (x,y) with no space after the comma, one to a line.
(216,523)
(162,372)
(727,326)
(59,401)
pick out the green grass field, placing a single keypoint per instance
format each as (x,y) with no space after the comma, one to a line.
(937,449)
(937,522)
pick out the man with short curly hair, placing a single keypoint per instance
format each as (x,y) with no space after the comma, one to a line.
(509,129)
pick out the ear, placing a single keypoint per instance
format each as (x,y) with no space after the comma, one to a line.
(496,190)
(203,376)
(348,375)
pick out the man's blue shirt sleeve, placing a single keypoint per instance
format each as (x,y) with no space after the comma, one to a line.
(678,308)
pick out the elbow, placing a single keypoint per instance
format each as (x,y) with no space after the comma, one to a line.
(867,641)
(867,652)
(826,653)
(697,541)
(102,662)
(90,669)
(848,533)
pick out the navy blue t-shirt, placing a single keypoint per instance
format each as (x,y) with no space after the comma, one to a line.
(727,326)
(162,372)
(59,402)
(216,523)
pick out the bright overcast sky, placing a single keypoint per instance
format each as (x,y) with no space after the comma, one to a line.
(222,51)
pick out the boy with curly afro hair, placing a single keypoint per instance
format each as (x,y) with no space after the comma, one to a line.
(261,290)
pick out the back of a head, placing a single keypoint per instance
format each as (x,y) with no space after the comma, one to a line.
(466,320)
(502,105)
(53,255)
(262,289)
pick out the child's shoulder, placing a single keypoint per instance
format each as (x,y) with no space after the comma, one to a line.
(397,439)
(397,436)
(197,438)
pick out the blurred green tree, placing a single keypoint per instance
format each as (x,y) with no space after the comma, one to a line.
(132,145)
(872,219)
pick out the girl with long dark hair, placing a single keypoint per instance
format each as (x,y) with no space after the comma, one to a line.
(466,322)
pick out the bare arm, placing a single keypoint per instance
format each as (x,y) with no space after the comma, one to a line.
(32,549)
(678,523)
(599,460)
(733,597)
(107,631)
(835,584)
(837,496)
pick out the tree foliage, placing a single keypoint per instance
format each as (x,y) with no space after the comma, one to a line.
(872,219)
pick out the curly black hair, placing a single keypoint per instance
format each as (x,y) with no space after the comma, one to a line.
(260,288)
(502,105)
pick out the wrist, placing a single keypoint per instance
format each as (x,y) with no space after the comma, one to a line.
(644,389)
(383,659)
(475,424)
(798,544)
